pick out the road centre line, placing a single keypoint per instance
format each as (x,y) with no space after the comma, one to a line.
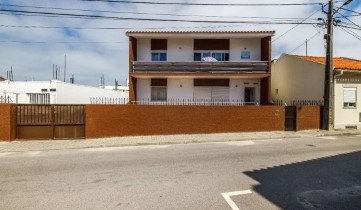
(227,197)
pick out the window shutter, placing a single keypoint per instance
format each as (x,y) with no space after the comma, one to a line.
(220,93)
(349,95)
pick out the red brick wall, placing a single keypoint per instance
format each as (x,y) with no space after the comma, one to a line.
(7,122)
(131,120)
(308,117)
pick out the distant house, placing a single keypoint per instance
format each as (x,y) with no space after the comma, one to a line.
(2,78)
(199,66)
(55,92)
(300,80)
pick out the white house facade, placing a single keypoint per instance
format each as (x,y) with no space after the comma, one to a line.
(301,79)
(199,65)
(53,92)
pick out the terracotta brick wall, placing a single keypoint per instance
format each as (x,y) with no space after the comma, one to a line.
(308,117)
(7,122)
(130,120)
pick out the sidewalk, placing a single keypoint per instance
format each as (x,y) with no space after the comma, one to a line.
(40,145)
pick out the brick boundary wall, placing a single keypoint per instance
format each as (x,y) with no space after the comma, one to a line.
(7,122)
(308,117)
(132,120)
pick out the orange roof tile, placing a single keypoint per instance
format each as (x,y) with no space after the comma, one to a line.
(196,31)
(338,63)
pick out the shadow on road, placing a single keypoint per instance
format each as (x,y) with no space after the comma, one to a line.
(326,183)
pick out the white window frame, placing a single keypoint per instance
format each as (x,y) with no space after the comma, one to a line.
(349,101)
(159,52)
(211,52)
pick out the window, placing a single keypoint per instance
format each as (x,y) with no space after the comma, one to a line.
(159,56)
(159,49)
(53,89)
(39,98)
(219,56)
(211,89)
(159,93)
(44,90)
(349,97)
(158,89)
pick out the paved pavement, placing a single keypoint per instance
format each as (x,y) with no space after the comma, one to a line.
(40,145)
(297,173)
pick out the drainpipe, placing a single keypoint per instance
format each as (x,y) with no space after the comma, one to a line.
(334,96)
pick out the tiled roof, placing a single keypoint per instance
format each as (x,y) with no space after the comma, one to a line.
(198,31)
(338,63)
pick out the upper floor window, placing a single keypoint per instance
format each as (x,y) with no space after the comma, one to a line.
(159,56)
(219,56)
(159,49)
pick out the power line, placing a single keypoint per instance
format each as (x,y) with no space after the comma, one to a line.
(146,13)
(351,33)
(350,27)
(151,19)
(28,42)
(353,23)
(295,26)
(201,4)
(308,40)
(359,13)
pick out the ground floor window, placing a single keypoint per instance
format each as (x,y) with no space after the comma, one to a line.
(211,89)
(158,89)
(349,97)
(159,94)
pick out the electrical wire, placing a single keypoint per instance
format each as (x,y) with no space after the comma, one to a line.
(146,13)
(351,33)
(295,26)
(150,19)
(309,39)
(353,23)
(202,4)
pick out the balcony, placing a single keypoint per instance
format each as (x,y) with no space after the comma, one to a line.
(201,67)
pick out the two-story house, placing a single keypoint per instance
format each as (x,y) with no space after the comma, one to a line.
(166,66)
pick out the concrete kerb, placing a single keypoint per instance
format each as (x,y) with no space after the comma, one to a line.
(23,146)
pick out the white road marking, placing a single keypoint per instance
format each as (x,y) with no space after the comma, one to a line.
(227,197)
(329,137)
(240,143)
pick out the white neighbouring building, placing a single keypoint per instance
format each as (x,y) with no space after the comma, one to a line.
(301,79)
(177,65)
(53,92)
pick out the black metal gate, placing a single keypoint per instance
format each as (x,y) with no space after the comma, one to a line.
(50,121)
(290,118)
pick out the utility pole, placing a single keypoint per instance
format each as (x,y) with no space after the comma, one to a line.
(328,107)
(328,99)
(306,47)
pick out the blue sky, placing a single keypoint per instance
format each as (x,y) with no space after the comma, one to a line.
(31,52)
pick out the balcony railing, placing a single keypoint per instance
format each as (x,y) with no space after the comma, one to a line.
(202,66)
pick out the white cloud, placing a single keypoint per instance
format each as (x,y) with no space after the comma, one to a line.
(87,61)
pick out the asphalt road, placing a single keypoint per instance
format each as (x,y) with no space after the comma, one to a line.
(314,173)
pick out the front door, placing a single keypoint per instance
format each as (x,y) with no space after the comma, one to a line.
(249,94)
